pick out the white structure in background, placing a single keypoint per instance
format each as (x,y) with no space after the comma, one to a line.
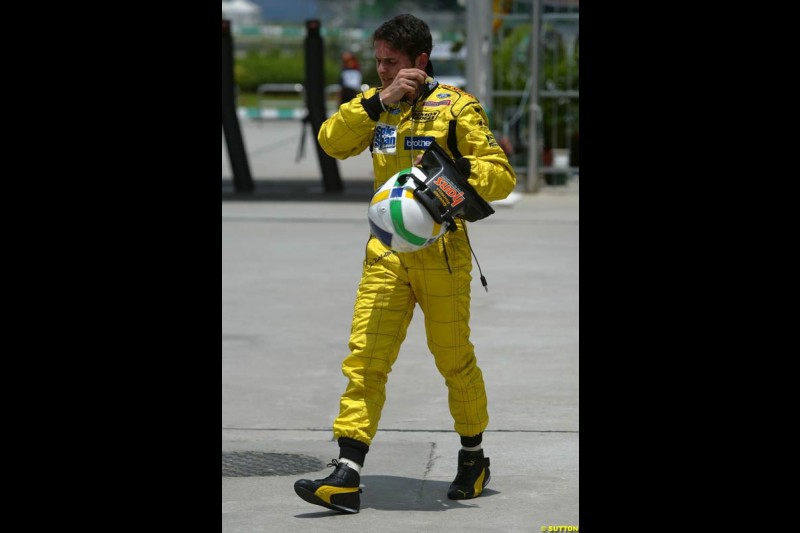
(242,14)
(449,67)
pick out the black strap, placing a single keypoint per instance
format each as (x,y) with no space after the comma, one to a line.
(452,142)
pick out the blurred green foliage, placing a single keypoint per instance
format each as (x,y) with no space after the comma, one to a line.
(510,59)
(287,66)
(559,71)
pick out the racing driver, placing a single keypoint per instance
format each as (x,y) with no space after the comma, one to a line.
(397,122)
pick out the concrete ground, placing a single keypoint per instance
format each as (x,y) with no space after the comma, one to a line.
(291,260)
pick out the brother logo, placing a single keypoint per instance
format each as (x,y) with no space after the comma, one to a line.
(417,143)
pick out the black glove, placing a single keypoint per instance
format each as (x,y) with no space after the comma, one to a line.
(446,193)
(463,166)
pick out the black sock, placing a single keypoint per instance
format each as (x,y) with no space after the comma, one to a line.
(471,442)
(353,450)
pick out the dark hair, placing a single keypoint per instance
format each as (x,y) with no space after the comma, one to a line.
(405,33)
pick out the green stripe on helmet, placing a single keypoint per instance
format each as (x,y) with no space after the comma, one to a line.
(396,210)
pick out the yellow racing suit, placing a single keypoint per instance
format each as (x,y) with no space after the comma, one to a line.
(437,277)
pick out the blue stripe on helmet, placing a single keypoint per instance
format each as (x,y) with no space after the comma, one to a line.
(384,236)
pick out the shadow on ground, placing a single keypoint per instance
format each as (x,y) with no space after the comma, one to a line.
(395,493)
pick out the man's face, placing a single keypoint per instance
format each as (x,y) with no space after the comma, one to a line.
(389,61)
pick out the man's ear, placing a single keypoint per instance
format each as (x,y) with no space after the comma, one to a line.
(421,61)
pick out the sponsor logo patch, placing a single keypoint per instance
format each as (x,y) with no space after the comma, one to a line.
(427,116)
(385,140)
(417,143)
(442,95)
(435,104)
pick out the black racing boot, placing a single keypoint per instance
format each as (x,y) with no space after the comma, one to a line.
(473,476)
(339,491)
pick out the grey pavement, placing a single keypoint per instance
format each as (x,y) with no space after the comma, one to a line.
(274,147)
(290,267)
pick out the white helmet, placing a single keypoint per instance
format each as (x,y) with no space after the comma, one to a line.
(398,219)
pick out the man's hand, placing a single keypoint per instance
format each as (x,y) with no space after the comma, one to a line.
(405,84)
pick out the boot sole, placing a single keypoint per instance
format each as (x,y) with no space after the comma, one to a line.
(310,497)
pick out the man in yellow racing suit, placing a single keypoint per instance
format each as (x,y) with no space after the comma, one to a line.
(397,122)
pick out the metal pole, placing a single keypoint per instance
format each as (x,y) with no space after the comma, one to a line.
(533,182)
(315,102)
(479,51)
(242,180)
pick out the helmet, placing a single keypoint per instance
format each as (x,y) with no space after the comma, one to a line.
(398,219)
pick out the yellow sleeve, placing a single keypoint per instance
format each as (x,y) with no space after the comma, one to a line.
(349,131)
(490,172)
